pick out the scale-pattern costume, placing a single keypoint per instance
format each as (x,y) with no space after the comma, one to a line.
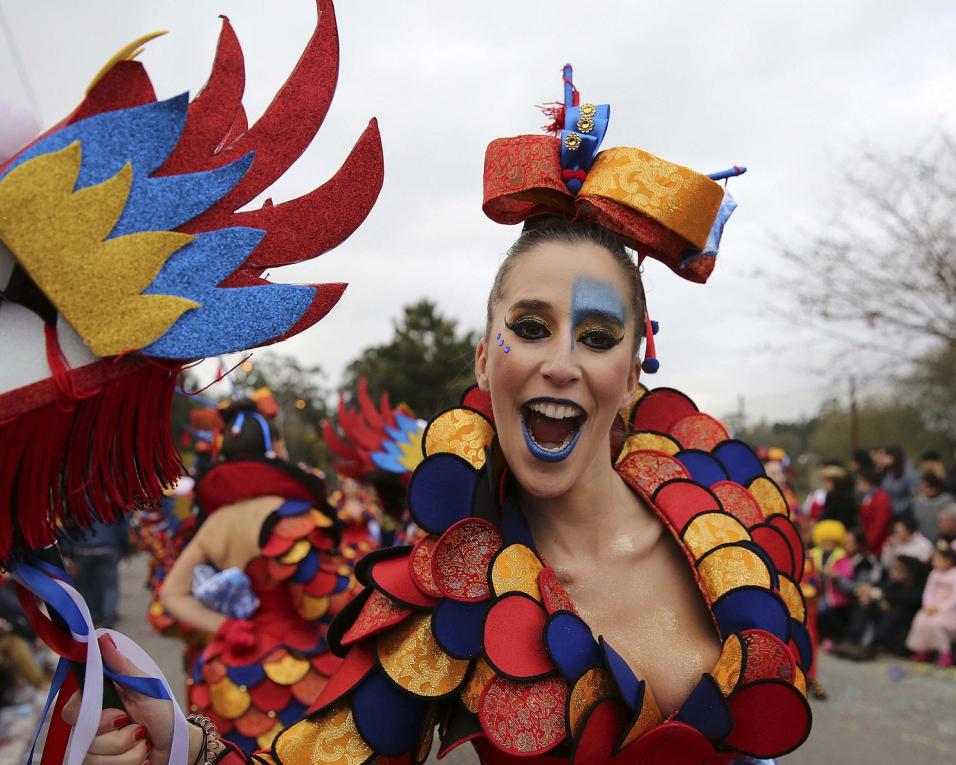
(468,630)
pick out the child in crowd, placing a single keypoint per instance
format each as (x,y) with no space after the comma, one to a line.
(929,501)
(876,509)
(934,627)
(833,608)
(906,539)
(856,569)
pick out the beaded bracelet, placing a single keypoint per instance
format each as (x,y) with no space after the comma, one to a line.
(211,745)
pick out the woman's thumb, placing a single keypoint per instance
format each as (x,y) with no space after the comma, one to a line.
(115,661)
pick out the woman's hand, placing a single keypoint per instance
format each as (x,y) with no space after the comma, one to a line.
(143,733)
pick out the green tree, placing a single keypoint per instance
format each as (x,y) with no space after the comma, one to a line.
(931,388)
(426,365)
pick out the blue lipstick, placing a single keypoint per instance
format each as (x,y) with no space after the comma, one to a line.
(538,451)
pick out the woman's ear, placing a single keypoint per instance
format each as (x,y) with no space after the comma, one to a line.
(633,381)
(481,365)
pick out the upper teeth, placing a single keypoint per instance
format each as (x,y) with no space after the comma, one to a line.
(555,411)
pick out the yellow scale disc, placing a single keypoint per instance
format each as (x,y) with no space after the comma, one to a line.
(650,717)
(287,670)
(296,553)
(730,567)
(461,432)
(727,670)
(156,608)
(707,531)
(800,681)
(650,442)
(265,740)
(768,496)
(321,519)
(410,656)
(791,596)
(591,687)
(480,677)
(312,608)
(330,737)
(516,569)
(228,699)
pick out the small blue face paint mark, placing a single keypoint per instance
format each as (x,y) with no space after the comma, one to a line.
(507,349)
(593,298)
(501,343)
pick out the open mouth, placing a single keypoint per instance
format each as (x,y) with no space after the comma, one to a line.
(551,427)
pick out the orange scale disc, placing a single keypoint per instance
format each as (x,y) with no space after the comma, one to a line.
(699,431)
(514,638)
(230,700)
(659,409)
(461,559)
(295,527)
(553,595)
(270,695)
(379,613)
(766,658)
(682,500)
(277,546)
(309,688)
(420,565)
(213,672)
(524,718)
(254,723)
(280,572)
(769,497)
(648,470)
(739,502)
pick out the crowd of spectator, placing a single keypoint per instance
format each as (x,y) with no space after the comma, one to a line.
(883,556)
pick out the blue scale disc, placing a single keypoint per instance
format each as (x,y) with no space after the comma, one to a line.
(458,627)
(294,507)
(441,491)
(752,608)
(293,712)
(802,639)
(246,674)
(703,467)
(706,710)
(388,718)
(571,645)
(739,460)
(514,526)
(308,568)
(631,688)
(245,743)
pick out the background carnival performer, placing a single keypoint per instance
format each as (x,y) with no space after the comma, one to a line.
(577,594)
(124,256)
(263,576)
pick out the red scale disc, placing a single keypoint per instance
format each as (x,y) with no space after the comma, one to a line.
(258,569)
(461,558)
(321,539)
(699,431)
(647,470)
(524,718)
(479,400)
(277,546)
(254,723)
(270,695)
(327,663)
(222,724)
(658,410)
(514,637)
(213,672)
(672,743)
(356,665)
(603,726)
(553,595)
(681,501)
(199,695)
(776,546)
(309,687)
(391,576)
(785,526)
(420,565)
(739,502)
(767,658)
(379,613)
(771,718)
(296,526)
(323,583)
(279,572)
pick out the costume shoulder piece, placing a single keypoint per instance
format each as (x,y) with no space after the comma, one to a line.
(468,628)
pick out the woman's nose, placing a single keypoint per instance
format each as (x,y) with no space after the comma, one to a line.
(560,367)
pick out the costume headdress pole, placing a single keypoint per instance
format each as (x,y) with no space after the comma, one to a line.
(662,210)
(123,255)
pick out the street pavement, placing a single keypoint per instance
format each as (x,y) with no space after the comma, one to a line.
(880,712)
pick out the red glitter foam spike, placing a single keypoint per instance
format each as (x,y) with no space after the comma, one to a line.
(514,638)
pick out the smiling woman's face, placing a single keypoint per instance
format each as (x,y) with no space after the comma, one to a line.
(563,366)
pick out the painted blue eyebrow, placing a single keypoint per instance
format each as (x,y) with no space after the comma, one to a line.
(596,298)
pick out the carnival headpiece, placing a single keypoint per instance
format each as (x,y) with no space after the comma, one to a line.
(124,254)
(662,210)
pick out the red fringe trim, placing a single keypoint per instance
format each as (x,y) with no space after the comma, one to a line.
(70,463)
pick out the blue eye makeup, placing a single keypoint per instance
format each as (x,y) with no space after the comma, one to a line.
(598,314)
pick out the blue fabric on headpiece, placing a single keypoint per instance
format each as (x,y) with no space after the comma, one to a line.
(458,627)
(440,492)
(752,608)
(706,710)
(387,717)
(583,157)
(143,136)
(571,645)
(703,467)
(739,460)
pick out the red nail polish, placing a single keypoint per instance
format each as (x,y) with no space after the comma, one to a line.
(140,733)
(120,721)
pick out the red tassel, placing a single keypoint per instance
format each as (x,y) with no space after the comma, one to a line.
(554,111)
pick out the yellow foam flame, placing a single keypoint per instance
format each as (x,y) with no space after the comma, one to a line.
(126,53)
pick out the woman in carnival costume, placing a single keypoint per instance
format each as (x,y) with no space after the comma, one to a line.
(263,576)
(125,254)
(577,595)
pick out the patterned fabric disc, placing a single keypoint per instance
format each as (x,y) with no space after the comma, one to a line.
(461,559)
(524,718)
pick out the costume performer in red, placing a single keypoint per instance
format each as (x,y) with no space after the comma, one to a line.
(124,256)
(575,597)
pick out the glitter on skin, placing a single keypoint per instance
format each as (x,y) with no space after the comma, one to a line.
(595,298)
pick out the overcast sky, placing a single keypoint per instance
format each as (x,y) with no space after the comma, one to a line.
(792,90)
